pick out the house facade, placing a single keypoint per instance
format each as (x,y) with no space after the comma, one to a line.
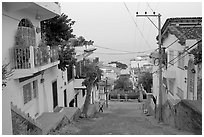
(33,75)
(180,74)
(37,85)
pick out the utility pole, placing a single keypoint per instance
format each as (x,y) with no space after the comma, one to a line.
(106,93)
(160,57)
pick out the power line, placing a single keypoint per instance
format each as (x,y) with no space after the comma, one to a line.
(183,35)
(149,7)
(180,55)
(136,25)
(118,53)
(123,50)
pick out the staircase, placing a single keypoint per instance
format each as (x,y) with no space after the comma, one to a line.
(22,123)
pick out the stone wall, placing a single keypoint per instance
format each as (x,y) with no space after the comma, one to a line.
(168,113)
(22,126)
(199,82)
(188,116)
(185,115)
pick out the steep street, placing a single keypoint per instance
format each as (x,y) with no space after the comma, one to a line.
(121,119)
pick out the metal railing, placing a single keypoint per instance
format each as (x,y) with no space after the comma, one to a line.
(30,57)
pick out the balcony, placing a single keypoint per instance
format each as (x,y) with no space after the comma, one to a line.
(41,10)
(29,60)
(78,84)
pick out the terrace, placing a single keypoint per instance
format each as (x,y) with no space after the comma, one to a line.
(27,60)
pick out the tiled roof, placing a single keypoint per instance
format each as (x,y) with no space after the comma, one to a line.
(183,28)
(190,33)
(181,20)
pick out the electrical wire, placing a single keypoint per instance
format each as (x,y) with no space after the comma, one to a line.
(149,7)
(123,50)
(136,25)
(117,53)
(183,35)
(180,55)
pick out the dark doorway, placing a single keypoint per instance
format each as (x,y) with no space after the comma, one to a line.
(71,103)
(65,98)
(54,91)
(76,105)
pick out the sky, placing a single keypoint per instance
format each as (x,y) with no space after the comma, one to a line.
(116,31)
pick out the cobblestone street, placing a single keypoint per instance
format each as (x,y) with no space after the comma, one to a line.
(121,119)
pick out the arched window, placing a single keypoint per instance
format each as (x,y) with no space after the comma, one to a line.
(26,33)
(25,23)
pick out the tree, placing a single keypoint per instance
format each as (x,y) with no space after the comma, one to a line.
(66,56)
(197,52)
(146,80)
(93,74)
(119,64)
(57,30)
(123,83)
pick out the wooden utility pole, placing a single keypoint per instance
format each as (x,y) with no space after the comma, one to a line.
(160,57)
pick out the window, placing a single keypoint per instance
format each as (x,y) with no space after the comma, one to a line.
(171,57)
(35,89)
(25,23)
(27,93)
(25,35)
(171,86)
(180,60)
(30,91)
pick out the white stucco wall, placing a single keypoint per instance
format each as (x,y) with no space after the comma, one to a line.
(181,74)
(70,91)
(9,29)
(80,99)
(6,112)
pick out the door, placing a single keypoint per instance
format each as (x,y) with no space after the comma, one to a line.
(71,103)
(76,105)
(54,91)
(35,95)
(65,98)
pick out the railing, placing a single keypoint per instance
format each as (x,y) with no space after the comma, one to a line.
(21,57)
(30,57)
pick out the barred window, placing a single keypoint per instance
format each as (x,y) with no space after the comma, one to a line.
(27,93)
(30,91)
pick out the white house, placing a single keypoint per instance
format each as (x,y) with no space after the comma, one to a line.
(37,85)
(33,77)
(180,75)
